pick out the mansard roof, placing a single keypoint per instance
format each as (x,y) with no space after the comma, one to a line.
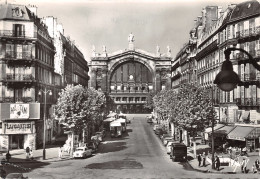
(244,10)
(8,12)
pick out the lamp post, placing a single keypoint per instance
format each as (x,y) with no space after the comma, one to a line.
(227,79)
(212,131)
(45,92)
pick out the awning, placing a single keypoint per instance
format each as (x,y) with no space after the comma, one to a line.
(224,130)
(109,119)
(217,126)
(245,115)
(240,133)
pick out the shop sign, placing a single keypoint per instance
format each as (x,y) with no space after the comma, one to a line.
(18,128)
(236,138)
(18,111)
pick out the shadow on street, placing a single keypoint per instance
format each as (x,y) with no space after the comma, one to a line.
(17,165)
(118,164)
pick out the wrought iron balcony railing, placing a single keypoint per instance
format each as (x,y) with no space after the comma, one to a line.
(19,77)
(18,55)
(18,34)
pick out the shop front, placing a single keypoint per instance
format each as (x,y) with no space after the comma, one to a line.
(220,136)
(244,136)
(18,125)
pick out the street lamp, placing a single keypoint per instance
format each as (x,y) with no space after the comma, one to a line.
(45,92)
(227,79)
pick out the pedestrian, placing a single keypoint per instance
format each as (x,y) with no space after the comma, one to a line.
(60,153)
(27,150)
(243,166)
(199,159)
(31,155)
(204,159)
(254,170)
(217,161)
(257,163)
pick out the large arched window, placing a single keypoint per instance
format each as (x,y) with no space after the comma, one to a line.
(131,71)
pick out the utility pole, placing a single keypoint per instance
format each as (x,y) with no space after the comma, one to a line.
(212,132)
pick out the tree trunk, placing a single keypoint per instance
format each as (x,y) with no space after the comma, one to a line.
(194,147)
(72,144)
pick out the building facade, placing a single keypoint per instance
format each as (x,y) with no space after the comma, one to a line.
(238,26)
(69,61)
(26,62)
(129,76)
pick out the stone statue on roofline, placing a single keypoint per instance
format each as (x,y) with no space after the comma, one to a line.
(131,38)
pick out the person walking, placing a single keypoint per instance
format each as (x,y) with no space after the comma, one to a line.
(60,153)
(31,155)
(257,163)
(254,170)
(243,166)
(204,159)
(199,159)
(217,161)
(27,150)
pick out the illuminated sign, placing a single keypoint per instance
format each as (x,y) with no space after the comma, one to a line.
(18,111)
(18,128)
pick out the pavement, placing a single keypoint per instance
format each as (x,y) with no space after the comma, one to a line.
(224,169)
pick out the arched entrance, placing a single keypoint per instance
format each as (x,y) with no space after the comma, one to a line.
(130,83)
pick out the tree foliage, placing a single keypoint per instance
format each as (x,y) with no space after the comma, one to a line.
(190,108)
(77,106)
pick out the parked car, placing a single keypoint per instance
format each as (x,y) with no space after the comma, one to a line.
(178,152)
(159,131)
(165,135)
(15,176)
(82,152)
(169,147)
(167,139)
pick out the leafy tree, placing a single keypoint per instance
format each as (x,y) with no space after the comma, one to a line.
(78,107)
(190,108)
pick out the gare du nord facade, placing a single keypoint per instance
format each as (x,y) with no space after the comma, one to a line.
(130,76)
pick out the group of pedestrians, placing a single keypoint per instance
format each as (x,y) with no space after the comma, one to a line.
(202,158)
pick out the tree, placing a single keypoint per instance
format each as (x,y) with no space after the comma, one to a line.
(78,107)
(189,108)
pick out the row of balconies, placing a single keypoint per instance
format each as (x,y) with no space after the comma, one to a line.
(16,99)
(19,77)
(19,55)
(130,101)
(18,34)
(129,91)
(248,32)
(248,101)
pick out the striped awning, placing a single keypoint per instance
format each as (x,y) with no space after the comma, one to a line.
(240,133)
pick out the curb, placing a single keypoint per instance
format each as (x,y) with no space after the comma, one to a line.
(209,170)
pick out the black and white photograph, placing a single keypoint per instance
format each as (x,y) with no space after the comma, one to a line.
(129,89)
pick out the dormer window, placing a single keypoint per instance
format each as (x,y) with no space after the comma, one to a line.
(17,12)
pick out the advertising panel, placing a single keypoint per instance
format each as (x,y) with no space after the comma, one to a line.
(18,111)
(18,128)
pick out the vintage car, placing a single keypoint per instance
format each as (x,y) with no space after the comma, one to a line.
(82,152)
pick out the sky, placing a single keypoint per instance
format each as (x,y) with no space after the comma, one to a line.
(100,22)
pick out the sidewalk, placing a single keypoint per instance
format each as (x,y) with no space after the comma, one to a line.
(223,169)
(19,155)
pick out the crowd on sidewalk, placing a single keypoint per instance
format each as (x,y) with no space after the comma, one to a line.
(222,163)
